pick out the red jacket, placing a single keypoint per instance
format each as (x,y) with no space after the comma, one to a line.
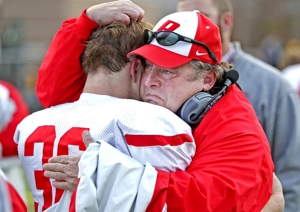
(232,168)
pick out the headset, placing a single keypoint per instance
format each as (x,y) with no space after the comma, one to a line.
(193,110)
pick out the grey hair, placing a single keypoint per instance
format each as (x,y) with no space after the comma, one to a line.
(201,67)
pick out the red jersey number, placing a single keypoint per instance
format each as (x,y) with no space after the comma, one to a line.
(47,135)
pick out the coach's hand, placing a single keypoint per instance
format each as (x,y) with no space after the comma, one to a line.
(123,10)
(64,169)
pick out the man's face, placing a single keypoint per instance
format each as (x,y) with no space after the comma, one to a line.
(169,88)
(206,7)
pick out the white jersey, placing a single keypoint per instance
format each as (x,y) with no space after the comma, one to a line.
(148,133)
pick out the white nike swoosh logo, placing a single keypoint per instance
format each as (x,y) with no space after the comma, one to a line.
(199,54)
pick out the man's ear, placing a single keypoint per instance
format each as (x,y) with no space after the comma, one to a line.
(136,69)
(209,80)
(226,21)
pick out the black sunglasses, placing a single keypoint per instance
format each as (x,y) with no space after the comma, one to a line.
(169,38)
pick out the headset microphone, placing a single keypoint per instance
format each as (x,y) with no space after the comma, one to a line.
(231,77)
(194,109)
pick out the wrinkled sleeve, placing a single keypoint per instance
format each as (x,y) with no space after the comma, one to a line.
(110,181)
(60,77)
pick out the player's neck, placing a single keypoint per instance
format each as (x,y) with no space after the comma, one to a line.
(107,84)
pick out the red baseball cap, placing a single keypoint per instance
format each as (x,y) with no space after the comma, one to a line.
(190,24)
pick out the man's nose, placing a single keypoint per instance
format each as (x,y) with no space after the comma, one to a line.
(151,78)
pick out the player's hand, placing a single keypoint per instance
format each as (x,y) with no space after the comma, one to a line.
(276,201)
(64,170)
(122,10)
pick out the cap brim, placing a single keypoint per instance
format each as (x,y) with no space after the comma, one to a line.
(159,56)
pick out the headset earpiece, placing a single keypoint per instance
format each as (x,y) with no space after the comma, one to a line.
(194,109)
(191,110)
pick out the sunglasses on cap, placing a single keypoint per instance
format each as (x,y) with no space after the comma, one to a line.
(169,38)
